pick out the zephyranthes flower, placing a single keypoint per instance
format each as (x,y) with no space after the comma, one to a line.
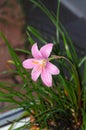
(40,64)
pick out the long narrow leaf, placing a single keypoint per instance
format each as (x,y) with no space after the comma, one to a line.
(36,33)
(14,57)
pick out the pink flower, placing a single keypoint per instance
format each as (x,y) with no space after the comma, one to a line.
(40,64)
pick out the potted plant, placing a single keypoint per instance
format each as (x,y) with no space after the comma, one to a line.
(53,94)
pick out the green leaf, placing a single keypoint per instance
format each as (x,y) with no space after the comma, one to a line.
(15,58)
(69,46)
(23,51)
(30,38)
(36,33)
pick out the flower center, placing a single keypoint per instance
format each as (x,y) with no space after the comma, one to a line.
(43,63)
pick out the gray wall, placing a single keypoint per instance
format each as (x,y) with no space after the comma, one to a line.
(78,7)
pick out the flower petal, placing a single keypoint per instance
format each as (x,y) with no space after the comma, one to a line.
(35,52)
(36,72)
(46,78)
(28,64)
(52,68)
(46,50)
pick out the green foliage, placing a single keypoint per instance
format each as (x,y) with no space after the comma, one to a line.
(65,101)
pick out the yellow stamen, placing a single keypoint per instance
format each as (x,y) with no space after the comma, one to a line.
(41,63)
(35,62)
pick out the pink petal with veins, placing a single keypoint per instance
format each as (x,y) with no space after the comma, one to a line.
(28,64)
(51,68)
(46,78)
(35,52)
(46,50)
(36,72)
